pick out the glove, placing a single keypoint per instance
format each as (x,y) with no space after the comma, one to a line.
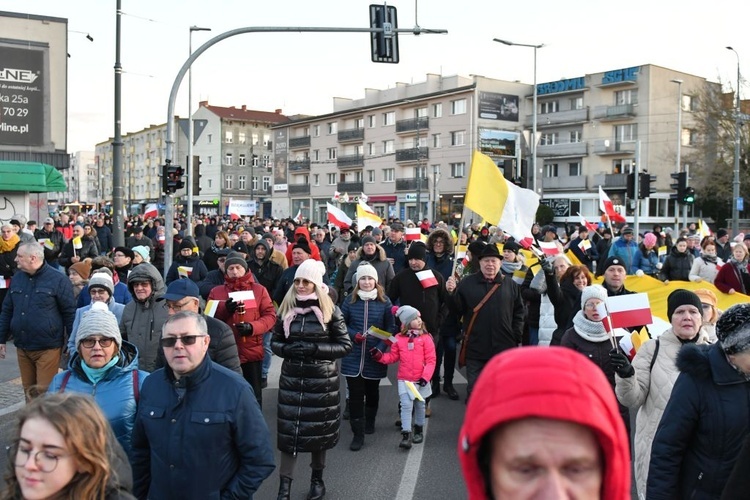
(244,329)
(659,265)
(231,305)
(421,382)
(621,364)
(300,350)
(639,273)
(547,267)
(376,354)
(359,338)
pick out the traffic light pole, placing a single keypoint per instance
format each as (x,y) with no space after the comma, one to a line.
(685,206)
(636,187)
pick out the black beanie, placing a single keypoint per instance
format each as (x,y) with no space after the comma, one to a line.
(302,244)
(417,250)
(186,243)
(681,298)
(368,239)
(353,246)
(512,246)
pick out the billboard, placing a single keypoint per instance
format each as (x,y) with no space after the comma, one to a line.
(280,153)
(494,106)
(494,143)
(22,96)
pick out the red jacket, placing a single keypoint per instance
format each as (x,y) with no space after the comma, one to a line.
(729,278)
(302,231)
(262,317)
(415,363)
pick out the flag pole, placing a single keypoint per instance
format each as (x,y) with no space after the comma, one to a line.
(611,330)
(455,250)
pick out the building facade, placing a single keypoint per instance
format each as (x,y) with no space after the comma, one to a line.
(80,179)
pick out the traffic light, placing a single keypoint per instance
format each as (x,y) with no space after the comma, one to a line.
(171,178)
(630,191)
(646,185)
(680,187)
(384,45)
(196,180)
(689,197)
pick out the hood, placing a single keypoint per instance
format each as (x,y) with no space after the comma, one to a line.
(708,362)
(145,271)
(302,231)
(440,233)
(379,253)
(674,253)
(268,248)
(511,388)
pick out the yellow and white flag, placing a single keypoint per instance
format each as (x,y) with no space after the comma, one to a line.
(366,216)
(184,271)
(77,243)
(211,307)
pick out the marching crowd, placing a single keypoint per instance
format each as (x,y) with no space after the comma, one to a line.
(150,356)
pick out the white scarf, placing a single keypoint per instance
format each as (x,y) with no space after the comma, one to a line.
(593,331)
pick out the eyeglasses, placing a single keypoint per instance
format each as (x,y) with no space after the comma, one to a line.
(592,305)
(45,460)
(89,343)
(185,339)
(119,255)
(173,306)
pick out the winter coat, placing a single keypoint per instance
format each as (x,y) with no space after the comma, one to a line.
(602,247)
(202,436)
(340,275)
(704,271)
(730,278)
(415,363)
(596,352)
(38,310)
(359,316)
(739,481)
(566,302)
(647,263)
(588,257)
(648,391)
(499,323)
(624,251)
(444,263)
(56,238)
(88,249)
(677,266)
(213,279)
(121,295)
(114,393)
(309,404)
(379,262)
(702,429)
(114,308)
(547,324)
(532,300)
(407,290)
(197,268)
(397,252)
(142,321)
(211,258)
(105,239)
(262,317)
(267,272)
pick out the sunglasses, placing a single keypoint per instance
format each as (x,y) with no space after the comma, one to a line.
(185,339)
(89,343)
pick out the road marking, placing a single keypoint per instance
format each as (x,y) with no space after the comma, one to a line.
(12,408)
(411,469)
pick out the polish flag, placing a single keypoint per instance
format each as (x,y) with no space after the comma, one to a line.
(246,296)
(626,311)
(590,225)
(151,211)
(4,283)
(337,217)
(427,278)
(412,234)
(298,217)
(549,247)
(605,205)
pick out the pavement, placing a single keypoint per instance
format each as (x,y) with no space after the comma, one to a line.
(11,391)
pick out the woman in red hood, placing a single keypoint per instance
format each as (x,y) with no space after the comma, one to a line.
(542,423)
(303,231)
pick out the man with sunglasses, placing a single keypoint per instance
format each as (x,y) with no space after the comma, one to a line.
(199,433)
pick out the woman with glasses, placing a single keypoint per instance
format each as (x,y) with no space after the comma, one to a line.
(62,448)
(106,367)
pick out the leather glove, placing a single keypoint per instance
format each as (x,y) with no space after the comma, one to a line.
(376,354)
(421,382)
(359,338)
(294,351)
(547,266)
(231,305)
(621,363)
(244,329)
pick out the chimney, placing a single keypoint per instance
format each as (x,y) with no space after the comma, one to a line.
(203,104)
(277,111)
(244,107)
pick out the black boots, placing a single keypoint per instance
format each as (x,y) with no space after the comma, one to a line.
(418,436)
(435,388)
(405,440)
(358,429)
(370,414)
(450,391)
(345,416)
(317,486)
(285,488)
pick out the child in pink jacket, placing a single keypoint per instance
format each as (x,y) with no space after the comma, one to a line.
(415,350)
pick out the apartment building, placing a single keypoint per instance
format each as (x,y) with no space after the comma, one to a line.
(79,179)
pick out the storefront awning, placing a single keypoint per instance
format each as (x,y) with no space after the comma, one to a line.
(30,177)
(381,199)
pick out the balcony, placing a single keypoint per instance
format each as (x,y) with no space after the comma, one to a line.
(611,181)
(559,118)
(573,183)
(298,189)
(607,147)
(412,154)
(614,113)
(351,135)
(411,183)
(299,142)
(350,187)
(350,161)
(565,149)
(300,165)
(413,125)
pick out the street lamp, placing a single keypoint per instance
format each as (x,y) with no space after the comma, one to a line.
(189,230)
(678,165)
(736,178)
(536,187)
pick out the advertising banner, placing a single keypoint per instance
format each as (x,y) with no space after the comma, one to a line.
(21,96)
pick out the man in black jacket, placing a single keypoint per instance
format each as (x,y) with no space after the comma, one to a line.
(80,247)
(52,240)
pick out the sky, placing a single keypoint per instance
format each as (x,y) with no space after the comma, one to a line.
(300,73)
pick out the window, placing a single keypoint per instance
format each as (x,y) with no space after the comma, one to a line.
(331,153)
(228,159)
(629,96)
(210,183)
(458,170)
(241,160)
(370,148)
(316,179)
(359,150)
(550,169)
(266,138)
(255,161)
(576,103)
(549,107)
(267,160)
(623,166)
(255,183)
(371,176)
(389,174)
(388,146)
(331,179)
(332,127)
(372,121)
(689,137)
(316,155)
(689,103)
(266,183)
(228,181)
(316,130)
(549,139)
(359,123)
(305,132)
(358,176)
(210,138)
(241,182)
(228,137)
(255,139)
(210,160)
(626,133)
(458,107)
(435,140)
(574,168)
(242,138)
(420,112)
(458,138)
(420,142)
(389,118)
(575,136)
(420,172)
(437,110)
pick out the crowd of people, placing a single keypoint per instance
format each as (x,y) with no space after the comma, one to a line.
(190,348)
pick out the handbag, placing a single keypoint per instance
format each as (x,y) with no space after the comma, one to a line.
(462,353)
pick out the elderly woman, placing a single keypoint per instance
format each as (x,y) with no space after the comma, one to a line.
(101,289)
(310,335)
(646,384)
(106,367)
(8,247)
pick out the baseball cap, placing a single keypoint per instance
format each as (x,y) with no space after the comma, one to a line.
(179,289)
(49,220)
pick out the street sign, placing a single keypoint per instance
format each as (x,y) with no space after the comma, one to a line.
(740,203)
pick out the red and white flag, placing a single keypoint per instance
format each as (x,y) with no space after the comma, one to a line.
(151,211)
(427,278)
(549,247)
(412,234)
(4,282)
(337,217)
(246,296)
(606,206)
(298,217)
(184,271)
(626,311)
(590,225)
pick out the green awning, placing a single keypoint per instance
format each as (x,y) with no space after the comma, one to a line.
(30,177)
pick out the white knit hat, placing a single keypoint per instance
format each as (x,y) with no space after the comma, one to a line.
(99,321)
(366,269)
(313,271)
(593,292)
(102,280)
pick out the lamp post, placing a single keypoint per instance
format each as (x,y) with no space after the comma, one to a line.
(190,135)
(678,165)
(536,186)
(736,177)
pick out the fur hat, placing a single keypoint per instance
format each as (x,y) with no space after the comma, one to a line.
(593,292)
(407,314)
(417,250)
(143,251)
(649,240)
(312,271)
(83,269)
(102,280)
(681,298)
(99,321)
(235,258)
(733,329)
(366,269)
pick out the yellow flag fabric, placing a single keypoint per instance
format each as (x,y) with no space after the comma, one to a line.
(486,190)
(639,338)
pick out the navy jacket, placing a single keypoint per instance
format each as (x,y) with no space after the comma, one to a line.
(703,427)
(202,436)
(360,316)
(38,309)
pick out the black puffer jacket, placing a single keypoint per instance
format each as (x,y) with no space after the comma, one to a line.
(677,266)
(309,404)
(567,301)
